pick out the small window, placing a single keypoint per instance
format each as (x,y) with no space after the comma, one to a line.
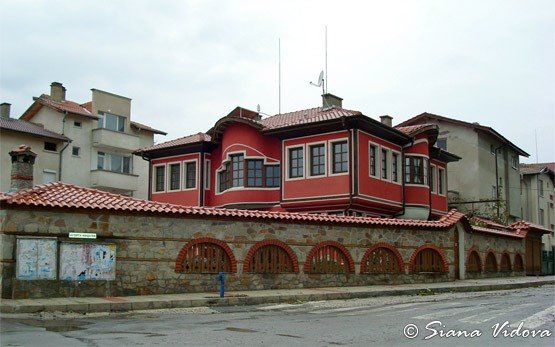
(254,173)
(272,176)
(384,163)
(207,174)
(433,178)
(76,151)
(223,177)
(441,181)
(442,143)
(50,146)
(395,167)
(100,161)
(160,174)
(317,160)
(175,175)
(237,170)
(191,175)
(296,168)
(514,161)
(373,153)
(77,124)
(340,157)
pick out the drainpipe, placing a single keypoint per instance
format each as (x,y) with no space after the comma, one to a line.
(430,189)
(63,149)
(351,162)
(201,183)
(497,180)
(149,194)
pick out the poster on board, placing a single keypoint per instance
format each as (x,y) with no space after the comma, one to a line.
(87,261)
(36,259)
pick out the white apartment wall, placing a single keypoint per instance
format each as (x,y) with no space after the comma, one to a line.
(45,160)
(532,202)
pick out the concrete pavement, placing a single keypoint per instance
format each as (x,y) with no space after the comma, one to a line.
(146,302)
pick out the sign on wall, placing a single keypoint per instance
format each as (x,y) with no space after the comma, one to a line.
(87,261)
(36,259)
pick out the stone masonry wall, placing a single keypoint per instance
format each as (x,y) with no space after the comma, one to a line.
(148,246)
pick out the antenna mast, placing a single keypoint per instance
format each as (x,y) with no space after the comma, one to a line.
(326,81)
(279,75)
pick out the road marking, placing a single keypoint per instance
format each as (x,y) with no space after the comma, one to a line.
(278,307)
(446,313)
(488,315)
(348,311)
(538,319)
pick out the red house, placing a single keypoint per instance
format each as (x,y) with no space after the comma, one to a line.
(320,160)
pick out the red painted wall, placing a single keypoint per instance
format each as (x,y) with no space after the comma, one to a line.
(187,197)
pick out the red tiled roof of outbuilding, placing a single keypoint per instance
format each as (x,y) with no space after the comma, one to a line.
(66,105)
(312,115)
(24,126)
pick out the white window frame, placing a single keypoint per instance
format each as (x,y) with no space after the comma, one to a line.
(330,156)
(433,182)
(107,161)
(154,191)
(169,176)
(102,115)
(184,174)
(388,163)
(287,161)
(399,167)
(78,155)
(443,173)
(377,160)
(308,161)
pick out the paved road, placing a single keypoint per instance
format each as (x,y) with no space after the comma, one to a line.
(358,322)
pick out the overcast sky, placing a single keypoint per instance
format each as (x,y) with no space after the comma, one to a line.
(186,64)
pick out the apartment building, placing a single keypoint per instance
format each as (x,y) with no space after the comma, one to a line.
(486,181)
(537,198)
(326,159)
(102,138)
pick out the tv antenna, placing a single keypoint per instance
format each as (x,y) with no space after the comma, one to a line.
(321,82)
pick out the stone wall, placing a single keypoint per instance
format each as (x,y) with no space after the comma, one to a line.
(484,244)
(148,247)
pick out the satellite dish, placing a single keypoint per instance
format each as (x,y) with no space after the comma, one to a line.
(320,80)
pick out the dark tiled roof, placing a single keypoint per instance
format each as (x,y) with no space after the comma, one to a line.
(199,137)
(147,128)
(23,126)
(413,129)
(312,115)
(536,168)
(424,117)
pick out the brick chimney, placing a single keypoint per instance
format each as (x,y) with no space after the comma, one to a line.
(57,91)
(23,160)
(330,101)
(387,120)
(5,110)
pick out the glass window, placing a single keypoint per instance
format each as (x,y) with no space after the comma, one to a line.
(442,143)
(384,163)
(127,165)
(317,160)
(116,163)
(433,178)
(296,162)
(77,124)
(191,175)
(340,157)
(425,170)
(441,181)
(272,176)
(254,173)
(160,178)
(100,161)
(75,151)
(373,152)
(416,170)
(394,167)
(417,166)
(224,178)
(111,121)
(207,174)
(50,146)
(175,175)
(238,170)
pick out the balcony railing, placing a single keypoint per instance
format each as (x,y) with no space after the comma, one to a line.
(104,138)
(103,179)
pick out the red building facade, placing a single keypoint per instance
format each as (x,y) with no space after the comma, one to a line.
(321,160)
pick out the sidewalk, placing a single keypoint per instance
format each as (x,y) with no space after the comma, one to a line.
(145,302)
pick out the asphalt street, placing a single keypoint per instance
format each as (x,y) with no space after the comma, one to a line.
(503,318)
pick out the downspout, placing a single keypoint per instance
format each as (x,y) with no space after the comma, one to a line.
(63,149)
(149,194)
(402,178)
(201,183)
(351,161)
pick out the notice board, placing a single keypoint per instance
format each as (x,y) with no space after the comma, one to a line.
(87,261)
(36,258)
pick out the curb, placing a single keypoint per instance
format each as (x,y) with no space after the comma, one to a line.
(149,303)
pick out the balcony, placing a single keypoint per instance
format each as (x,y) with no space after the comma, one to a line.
(104,138)
(108,180)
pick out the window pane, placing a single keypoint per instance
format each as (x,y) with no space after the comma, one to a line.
(254,173)
(372,160)
(340,157)
(121,124)
(384,163)
(295,162)
(394,165)
(116,163)
(160,175)
(317,154)
(127,165)
(111,122)
(191,173)
(175,176)
(100,161)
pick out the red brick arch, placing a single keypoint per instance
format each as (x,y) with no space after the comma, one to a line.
(346,253)
(492,252)
(222,244)
(521,265)
(469,252)
(505,255)
(386,246)
(274,242)
(429,246)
